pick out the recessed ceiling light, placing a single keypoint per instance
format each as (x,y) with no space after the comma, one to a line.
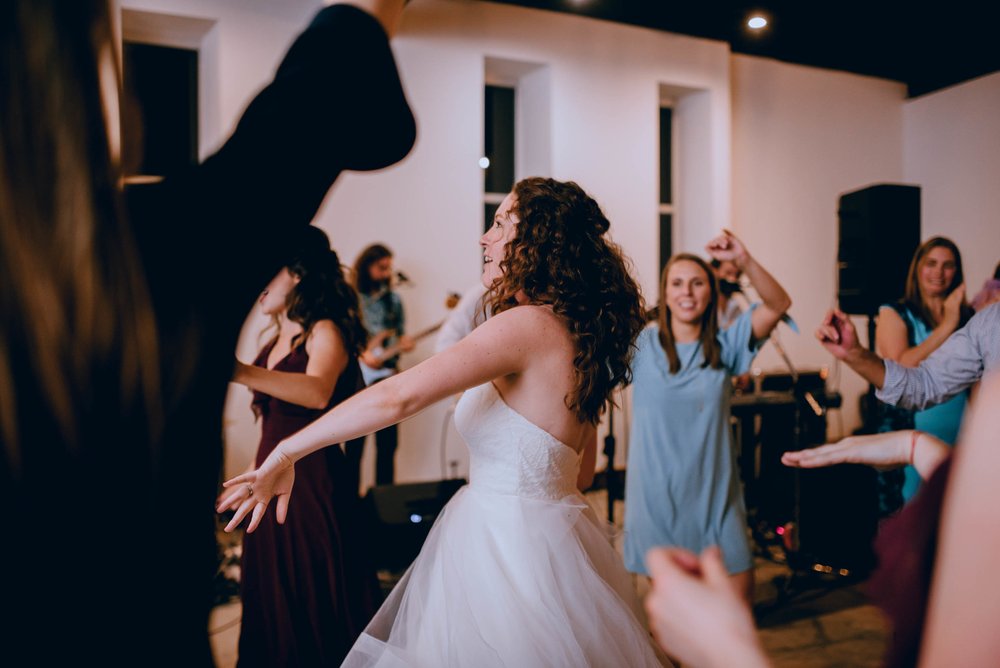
(756,22)
(484,162)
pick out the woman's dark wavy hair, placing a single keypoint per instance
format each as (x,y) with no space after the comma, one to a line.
(323,293)
(560,256)
(369,256)
(711,349)
(913,298)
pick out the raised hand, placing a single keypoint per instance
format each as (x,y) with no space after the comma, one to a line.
(953,307)
(727,247)
(253,491)
(837,334)
(695,613)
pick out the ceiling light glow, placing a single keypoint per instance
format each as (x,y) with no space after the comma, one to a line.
(757,22)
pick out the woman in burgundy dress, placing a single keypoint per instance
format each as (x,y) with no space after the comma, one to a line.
(308,589)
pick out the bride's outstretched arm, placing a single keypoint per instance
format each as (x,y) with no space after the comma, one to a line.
(502,345)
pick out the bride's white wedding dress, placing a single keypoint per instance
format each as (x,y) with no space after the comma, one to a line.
(517,571)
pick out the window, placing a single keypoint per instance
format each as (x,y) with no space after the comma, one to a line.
(498,154)
(666,207)
(160,120)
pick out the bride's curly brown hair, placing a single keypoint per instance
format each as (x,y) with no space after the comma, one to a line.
(561,256)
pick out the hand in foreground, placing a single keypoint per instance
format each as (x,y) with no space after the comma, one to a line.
(253,491)
(695,613)
(727,247)
(837,334)
(883,451)
(924,452)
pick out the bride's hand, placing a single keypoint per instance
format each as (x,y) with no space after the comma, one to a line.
(254,490)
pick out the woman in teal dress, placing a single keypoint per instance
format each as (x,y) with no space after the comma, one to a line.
(682,487)
(932,308)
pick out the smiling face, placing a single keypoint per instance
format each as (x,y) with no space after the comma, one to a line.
(495,241)
(937,272)
(273,300)
(687,292)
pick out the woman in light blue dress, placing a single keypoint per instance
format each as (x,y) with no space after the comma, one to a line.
(682,487)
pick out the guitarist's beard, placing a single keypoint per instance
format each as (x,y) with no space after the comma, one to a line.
(379,288)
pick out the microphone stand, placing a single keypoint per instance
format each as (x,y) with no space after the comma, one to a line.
(801,576)
(610,477)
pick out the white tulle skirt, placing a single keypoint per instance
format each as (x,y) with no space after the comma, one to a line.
(508,581)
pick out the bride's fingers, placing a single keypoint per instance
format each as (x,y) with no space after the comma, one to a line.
(247,478)
(232,499)
(241,512)
(281,507)
(258,513)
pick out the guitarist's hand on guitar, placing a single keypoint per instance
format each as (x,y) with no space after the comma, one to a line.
(374,354)
(371,359)
(374,357)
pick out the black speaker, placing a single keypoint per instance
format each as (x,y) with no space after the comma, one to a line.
(838,518)
(401,517)
(879,230)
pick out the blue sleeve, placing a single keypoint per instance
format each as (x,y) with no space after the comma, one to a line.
(643,351)
(739,346)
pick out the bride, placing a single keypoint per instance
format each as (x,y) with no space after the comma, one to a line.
(517,570)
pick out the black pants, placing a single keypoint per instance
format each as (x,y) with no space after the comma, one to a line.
(386,441)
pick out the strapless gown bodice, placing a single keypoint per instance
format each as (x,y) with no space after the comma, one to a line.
(510,455)
(517,571)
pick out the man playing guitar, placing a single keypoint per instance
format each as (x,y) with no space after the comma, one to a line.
(384,320)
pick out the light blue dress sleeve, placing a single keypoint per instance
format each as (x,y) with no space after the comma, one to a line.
(738,344)
(644,348)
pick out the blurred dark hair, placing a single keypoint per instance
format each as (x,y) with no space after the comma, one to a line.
(914,299)
(75,301)
(560,255)
(369,256)
(323,293)
(711,349)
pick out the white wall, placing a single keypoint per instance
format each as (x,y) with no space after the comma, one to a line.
(765,147)
(952,151)
(604,81)
(604,84)
(801,137)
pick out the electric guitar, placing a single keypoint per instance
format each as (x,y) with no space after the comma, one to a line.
(380,353)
